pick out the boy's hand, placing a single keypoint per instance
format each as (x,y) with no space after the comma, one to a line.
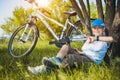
(91,39)
(78,51)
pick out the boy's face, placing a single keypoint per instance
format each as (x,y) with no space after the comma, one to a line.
(97,31)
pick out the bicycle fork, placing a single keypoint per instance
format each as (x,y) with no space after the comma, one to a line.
(24,37)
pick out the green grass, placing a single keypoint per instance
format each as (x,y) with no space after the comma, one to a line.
(16,68)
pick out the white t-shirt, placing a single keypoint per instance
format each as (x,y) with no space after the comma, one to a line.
(95,50)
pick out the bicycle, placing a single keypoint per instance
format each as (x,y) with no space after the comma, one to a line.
(28,33)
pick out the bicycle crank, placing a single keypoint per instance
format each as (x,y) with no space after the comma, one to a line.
(61,42)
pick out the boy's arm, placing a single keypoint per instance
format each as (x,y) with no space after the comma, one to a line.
(108,39)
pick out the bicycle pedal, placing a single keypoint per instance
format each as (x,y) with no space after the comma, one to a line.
(65,40)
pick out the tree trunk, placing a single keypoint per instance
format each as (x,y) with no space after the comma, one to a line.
(115,32)
(82,19)
(79,12)
(100,9)
(110,13)
(86,17)
(88,7)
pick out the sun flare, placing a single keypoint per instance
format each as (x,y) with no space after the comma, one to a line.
(43,3)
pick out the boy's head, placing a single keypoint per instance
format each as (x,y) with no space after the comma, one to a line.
(98,27)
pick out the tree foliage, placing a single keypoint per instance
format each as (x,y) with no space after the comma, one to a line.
(20,16)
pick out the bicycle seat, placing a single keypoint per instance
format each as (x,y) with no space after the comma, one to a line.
(70,13)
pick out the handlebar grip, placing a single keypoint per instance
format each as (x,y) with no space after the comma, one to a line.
(43,10)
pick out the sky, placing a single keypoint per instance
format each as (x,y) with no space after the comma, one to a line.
(7,7)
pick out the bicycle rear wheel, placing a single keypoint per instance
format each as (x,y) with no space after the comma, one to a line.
(76,35)
(23,40)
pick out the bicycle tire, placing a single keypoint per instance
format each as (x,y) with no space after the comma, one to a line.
(17,42)
(72,31)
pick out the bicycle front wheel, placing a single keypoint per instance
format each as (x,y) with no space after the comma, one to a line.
(76,35)
(23,40)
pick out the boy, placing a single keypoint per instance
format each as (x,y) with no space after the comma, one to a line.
(93,50)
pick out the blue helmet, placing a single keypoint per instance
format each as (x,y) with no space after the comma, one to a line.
(98,23)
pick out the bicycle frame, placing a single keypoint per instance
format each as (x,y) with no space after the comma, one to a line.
(43,18)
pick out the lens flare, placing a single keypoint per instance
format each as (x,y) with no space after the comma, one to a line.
(43,3)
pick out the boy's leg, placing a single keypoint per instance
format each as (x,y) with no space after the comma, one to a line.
(63,51)
(55,62)
(39,69)
(75,60)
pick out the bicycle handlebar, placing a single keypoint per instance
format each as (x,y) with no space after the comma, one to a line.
(30,1)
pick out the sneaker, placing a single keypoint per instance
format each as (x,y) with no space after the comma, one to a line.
(36,70)
(51,62)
